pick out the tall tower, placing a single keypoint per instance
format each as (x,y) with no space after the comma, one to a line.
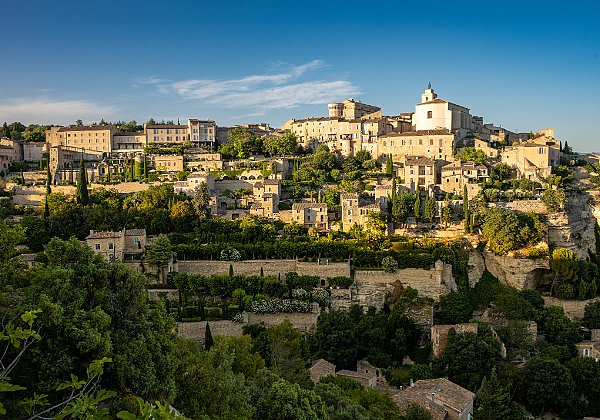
(428,95)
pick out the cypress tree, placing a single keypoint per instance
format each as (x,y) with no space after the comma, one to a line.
(82,190)
(22,178)
(230,270)
(466,215)
(389,165)
(208,339)
(132,169)
(417,208)
(429,213)
(48,181)
(493,401)
(46,209)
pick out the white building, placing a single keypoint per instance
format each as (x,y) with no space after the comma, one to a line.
(434,114)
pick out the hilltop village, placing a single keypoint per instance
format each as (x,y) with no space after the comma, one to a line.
(424,265)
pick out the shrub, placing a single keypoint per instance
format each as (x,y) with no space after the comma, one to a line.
(389,264)
(341,281)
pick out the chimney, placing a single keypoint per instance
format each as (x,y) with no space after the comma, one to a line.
(91,232)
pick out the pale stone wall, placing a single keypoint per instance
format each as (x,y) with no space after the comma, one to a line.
(155,294)
(305,322)
(270,268)
(573,308)
(195,330)
(33,196)
(524,206)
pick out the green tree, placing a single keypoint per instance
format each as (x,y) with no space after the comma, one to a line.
(285,144)
(82,188)
(470,154)
(159,254)
(493,401)
(554,200)
(591,315)
(286,346)
(549,386)
(285,401)
(201,201)
(446,212)
(417,206)
(585,372)
(389,165)
(429,213)
(500,172)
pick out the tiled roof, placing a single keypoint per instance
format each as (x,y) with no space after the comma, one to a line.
(166,126)
(298,206)
(418,133)
(87,128)
(321,362)
(434,101)
(348,196)
(411,396)
(135,232)
(271,181)
(445,391)
(103,235)
(136,133)
(419,160)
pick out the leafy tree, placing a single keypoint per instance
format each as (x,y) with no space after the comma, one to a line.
(500,172)
(286,346)
(415,412)
(159,254)
(281,145)
(493,401)
(505,231)
(208,339)
(446,212)
(549,386)
(456,308)
(148,411)
(585,372)
(201,200)
(558,327)
(470,154)
(591,315)
(336,339)
(389,264)
(467,359)
(285,401)
(402,205)
(554,200)
(242,143)
(82,188)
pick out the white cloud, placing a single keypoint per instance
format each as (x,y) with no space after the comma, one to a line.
(49,111)
(261,92)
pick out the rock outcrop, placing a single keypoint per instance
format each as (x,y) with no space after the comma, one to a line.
(573,228)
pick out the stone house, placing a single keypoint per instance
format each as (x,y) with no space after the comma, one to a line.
(439,335)
(590,348)
(456,175)
(355,212)
(125,245)
(419,172)
(442,398)
(311,215)
(533,159)
(167,163)
(320,369)
(266,206)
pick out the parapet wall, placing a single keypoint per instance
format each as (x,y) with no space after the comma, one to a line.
(270,268)
(195,330)
(524,206)
(573,308)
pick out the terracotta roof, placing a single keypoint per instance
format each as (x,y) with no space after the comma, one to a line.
(298,206)
(271,181)
(166,126)
(87,128)
(419,160)
(419,133)
(136,133)
(348,196)
(434,101)
(135,232)
(103,235)
(256,206)
(445,391)
(352,374)
(411,396)
(28,257)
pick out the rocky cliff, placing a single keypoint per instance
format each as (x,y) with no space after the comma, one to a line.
(573,228)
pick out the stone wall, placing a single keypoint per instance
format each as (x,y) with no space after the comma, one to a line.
(305,322)
(195,330)
(155,294)
(573,308)
(270,268)
(524,206)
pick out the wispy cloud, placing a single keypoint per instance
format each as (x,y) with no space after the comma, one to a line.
(261,92)
(47,111)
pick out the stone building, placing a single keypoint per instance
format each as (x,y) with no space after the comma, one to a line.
(439,335)
(92,139)
(125,245)
(166,133)
(9,154)
(266,206)
(167,163)
(320,369)
(351,109)
(442,398)
(202,133)
(129,142)
(418,173)
(355,212)
(434,113)
(433,144)
(311,215)
(455,175)
(590,348)
(533,159)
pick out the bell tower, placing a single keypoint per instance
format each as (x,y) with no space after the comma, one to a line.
(428,95)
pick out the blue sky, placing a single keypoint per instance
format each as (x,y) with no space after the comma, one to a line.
(523,65)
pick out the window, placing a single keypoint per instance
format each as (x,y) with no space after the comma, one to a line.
(429,114)
(110,246)
(97,247)
(586,352)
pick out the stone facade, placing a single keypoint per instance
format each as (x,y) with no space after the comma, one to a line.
(520,273)
(125,245)
(574,309)
(320,369)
